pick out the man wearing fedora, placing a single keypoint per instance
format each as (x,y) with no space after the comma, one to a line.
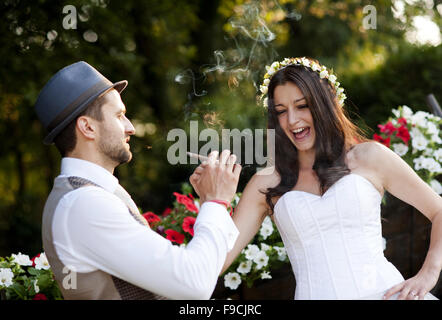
(96,241)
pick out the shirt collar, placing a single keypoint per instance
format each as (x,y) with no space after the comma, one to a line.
(89,170)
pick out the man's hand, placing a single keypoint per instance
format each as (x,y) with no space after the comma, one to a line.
(216,178)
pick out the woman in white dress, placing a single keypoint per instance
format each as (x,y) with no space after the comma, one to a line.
(325,190)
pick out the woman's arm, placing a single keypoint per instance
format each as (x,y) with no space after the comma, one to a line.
(399,179)
(250,211)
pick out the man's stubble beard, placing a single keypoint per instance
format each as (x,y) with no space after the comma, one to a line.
(115,152)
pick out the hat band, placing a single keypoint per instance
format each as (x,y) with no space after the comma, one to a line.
(101,85)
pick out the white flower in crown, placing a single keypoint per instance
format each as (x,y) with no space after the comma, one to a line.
(315,67)
(305,62)
(322,70)
(263,89)
(324,73)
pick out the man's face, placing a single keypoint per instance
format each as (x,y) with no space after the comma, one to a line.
(115,130)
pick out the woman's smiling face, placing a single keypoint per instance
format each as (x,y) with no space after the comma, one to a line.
(294,116)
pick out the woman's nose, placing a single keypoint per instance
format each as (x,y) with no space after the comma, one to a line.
(292,116)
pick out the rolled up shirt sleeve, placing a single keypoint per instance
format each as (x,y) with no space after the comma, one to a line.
(103,234)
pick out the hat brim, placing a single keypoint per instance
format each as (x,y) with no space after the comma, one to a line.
(119,86)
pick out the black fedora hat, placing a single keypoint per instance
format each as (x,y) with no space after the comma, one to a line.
(68,93)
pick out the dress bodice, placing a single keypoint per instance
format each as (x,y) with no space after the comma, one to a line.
(334,241)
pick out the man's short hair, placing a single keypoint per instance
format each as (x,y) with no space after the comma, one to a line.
(66,140)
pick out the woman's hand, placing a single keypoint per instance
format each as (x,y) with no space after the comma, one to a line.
(414,288)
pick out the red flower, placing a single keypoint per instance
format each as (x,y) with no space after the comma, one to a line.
(403,134)
(33,259)
(166,212)
(151,217)
(174,236)
(188,223)
(402,121)
(186,201)
(388,128)
(39,296)
(385,142)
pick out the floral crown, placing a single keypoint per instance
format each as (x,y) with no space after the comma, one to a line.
(322,70)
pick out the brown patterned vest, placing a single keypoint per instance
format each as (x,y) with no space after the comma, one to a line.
(96,285)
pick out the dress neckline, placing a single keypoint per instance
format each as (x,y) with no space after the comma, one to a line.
(334,184)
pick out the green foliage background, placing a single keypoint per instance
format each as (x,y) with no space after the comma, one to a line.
(188,60)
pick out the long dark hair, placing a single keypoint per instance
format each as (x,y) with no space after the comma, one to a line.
(335,133)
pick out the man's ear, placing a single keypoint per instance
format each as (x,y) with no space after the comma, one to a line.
(87,127)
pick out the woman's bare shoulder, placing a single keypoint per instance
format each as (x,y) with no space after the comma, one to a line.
(365,154)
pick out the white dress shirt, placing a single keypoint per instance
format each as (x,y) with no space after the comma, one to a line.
(92,229)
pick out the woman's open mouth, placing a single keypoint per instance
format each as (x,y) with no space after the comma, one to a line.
(301,133)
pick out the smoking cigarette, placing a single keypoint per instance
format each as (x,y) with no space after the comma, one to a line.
(200,157)
(197,156)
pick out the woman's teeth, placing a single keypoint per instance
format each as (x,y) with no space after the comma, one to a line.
(298,130)
(301,132)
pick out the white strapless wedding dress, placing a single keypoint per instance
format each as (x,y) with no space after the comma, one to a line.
(334,242)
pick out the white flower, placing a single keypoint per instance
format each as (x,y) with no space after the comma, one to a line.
(436,138)
(420,119)
(266,230)
(282,253)
(419,142)
(265,247)
(261,259)
(42,262)
(305,62)
(244,267)
(339,91)
(6,276)
(400,148)
(266,275)
(267,221)
(438,154)
(315,67)
(265,102)
(263,89)
(396,113)
(22,259)
(232,280)
(36,287)
(431,165)
(432,128)
(251,251)
(406,112)
(436,186)
(266,82)
(418,163)
(332,78)
(323,74)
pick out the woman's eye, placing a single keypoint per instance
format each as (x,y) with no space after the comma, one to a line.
(303,106)
(278,112)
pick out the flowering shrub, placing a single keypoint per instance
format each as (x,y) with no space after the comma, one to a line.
(416,137)
(264,253)
(22,278)
(176,224)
